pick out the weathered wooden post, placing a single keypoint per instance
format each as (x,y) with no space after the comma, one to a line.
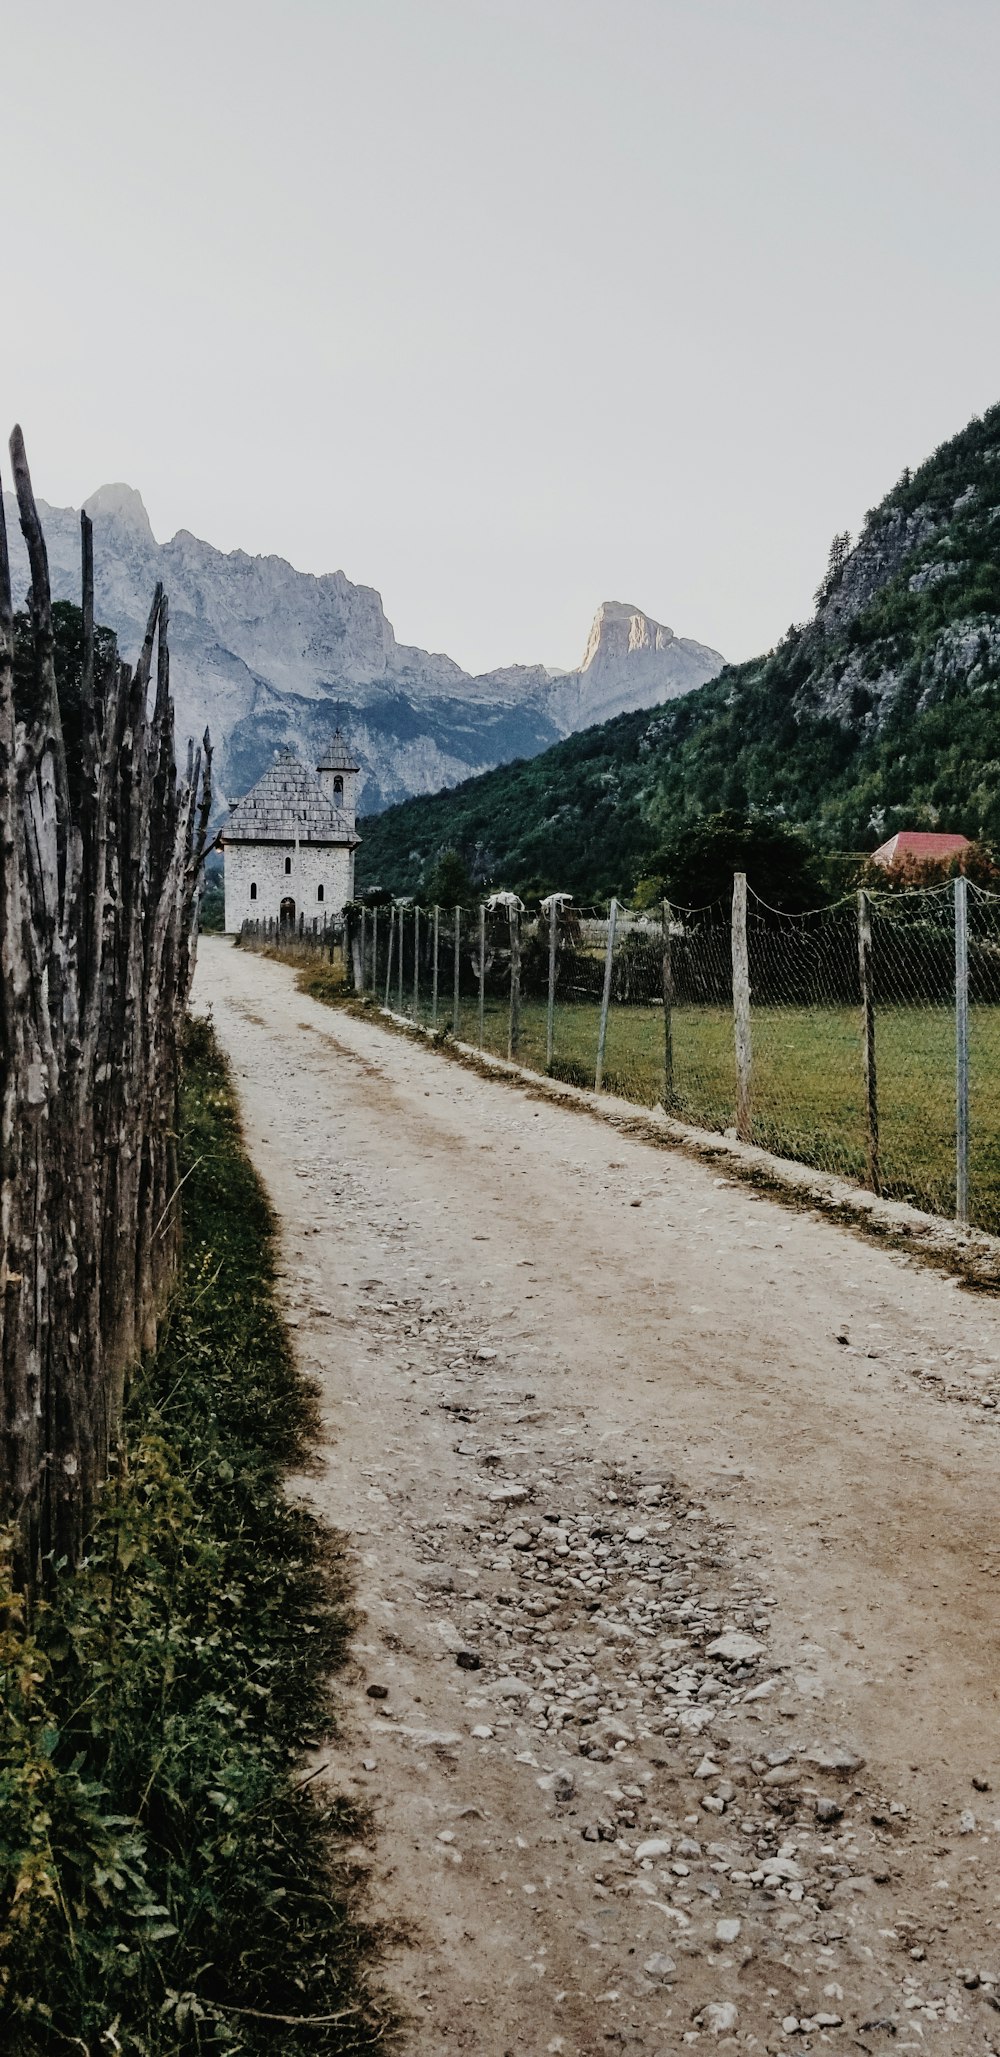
(456,1006)
(482,969)
(869,1070)
(961,1050)
(669,1096)
(416,963)
(399,967)
(434,968)
(514,1024)
(388,957)
(375,951)
(550,1019)
(361,986)
(741,1011)
(609,963)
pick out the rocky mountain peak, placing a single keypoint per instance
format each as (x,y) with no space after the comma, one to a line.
(121,504)
(620,632)
(264,653)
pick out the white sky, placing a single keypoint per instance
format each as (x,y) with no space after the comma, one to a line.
(504,306)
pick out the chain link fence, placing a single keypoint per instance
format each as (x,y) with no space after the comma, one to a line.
(863,1038)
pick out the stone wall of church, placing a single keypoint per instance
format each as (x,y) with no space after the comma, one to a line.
(280,873)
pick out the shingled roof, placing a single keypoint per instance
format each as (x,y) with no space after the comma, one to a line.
(287,805)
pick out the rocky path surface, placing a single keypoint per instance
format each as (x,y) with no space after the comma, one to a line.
(674,1515)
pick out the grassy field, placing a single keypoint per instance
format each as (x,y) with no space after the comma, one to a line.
(807,1084)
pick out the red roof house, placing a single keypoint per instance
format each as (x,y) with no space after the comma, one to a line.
(918,846)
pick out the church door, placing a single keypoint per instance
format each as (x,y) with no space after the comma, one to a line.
(288,914)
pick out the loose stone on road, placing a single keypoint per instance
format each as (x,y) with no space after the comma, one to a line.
(675,1687)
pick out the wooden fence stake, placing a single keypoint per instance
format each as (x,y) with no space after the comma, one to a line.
(961,1050)
(434,968)
(456,1005)
(416,964)
(482,969)
(388,957)
(514,1026)
(869,1069)
(669,1097)
(609,965)
(375,951)
(741,1011)
(399,967)
(550,1022)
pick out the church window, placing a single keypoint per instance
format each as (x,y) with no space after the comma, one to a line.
(338,788)
(319,892)
(253,889)
(288,864)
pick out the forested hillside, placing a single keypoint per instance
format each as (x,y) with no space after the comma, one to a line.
(882,712)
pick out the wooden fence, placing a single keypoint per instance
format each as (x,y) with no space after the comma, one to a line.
(101,847)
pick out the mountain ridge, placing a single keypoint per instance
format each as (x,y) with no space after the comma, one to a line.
(882,712)
(269,657)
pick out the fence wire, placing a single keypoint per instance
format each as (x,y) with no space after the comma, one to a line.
(863,1038)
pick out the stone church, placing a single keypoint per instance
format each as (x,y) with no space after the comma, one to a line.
(289,843)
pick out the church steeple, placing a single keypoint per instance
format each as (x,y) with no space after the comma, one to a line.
(338,775)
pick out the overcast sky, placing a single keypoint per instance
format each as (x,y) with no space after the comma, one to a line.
(504,306)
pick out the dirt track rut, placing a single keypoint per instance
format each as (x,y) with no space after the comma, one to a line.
(591,1413)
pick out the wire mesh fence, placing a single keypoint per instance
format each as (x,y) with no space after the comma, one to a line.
(863,1038)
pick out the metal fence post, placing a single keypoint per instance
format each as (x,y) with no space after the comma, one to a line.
(668,1010)
(456,1003)
(434,969)
(868,1065)
(514,1025)
(550,1021)
(388,957)
(741,1011)
(961,1050)
(482,969)
(609,961)
(416,963)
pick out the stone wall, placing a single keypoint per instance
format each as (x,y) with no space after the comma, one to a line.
(310,866)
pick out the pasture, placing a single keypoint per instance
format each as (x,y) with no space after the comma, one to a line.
(807,1082)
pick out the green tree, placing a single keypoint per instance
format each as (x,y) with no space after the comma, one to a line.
(697,865)
(447,883)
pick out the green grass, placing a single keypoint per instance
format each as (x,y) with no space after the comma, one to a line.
(807,1084)
(168,1883)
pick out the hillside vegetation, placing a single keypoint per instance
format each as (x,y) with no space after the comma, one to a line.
(882,712)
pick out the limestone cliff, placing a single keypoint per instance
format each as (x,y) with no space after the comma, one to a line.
(266,655)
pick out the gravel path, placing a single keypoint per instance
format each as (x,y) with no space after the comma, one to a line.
(674,1519)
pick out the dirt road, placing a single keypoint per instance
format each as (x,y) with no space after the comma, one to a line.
(676,1532)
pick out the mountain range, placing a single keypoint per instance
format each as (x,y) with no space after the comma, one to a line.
(269,656)
(880,713)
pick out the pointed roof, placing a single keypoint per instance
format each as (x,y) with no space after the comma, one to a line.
(288,805)
(338,755)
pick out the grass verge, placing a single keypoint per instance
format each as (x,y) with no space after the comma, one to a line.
(169,1880)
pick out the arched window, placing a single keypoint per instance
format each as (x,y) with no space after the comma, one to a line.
(319,892)
(253,889)
(288,864)
(338,788)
